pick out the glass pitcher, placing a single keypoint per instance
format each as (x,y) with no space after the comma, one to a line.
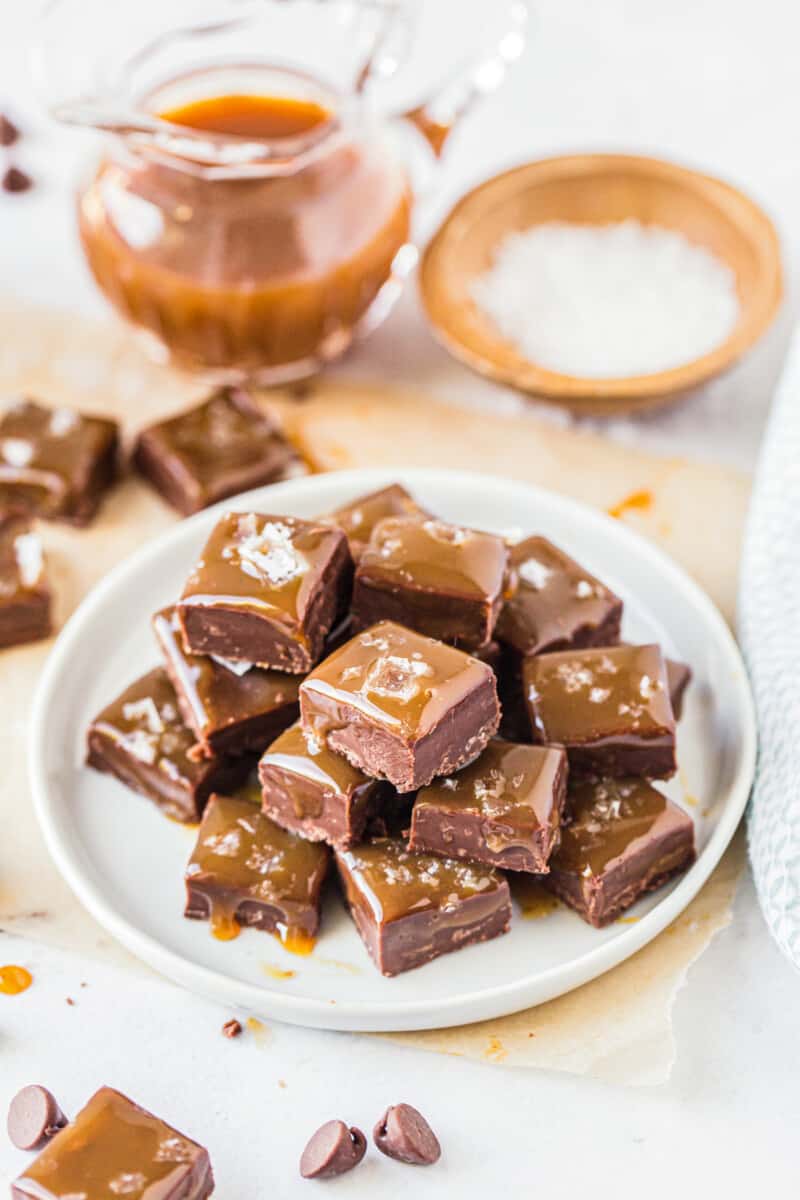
(253,205)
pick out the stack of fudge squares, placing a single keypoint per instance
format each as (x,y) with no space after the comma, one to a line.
(55,465)
(428,707)
(58,464)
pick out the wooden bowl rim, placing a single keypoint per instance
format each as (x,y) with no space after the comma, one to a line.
(624,392)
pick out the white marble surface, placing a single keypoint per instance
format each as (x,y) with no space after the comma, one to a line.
(714,84)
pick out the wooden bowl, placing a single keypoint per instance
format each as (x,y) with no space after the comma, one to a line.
(598,189)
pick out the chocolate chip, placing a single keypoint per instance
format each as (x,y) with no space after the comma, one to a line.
(34,1118)
(8,131)
(332,1150)
(404,1134)
(15,180)
(232,1028)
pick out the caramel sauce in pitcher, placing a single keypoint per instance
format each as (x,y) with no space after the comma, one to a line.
(266,117)
(262,273)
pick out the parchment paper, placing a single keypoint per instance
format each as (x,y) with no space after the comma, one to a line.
(619,1026)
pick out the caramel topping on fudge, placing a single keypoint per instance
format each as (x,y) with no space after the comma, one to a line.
(394,881)
(260,563)
(310,789)
(290,575)
(395,677)
(556,603)
(509,782)
(115,1148)
(301,752)
(223,446)
(141,739)
(409,908)
(504,808)
(435,555)
(623,839)
(145,721)
(443,580)
(577,696)
(358,519)
(606,817)
(54,462)
(239,847)
(609,707)
(231,707)
(247,869)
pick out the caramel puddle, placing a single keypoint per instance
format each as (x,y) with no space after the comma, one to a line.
(14,980)
(277,972)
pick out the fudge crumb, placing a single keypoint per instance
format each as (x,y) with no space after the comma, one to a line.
(9,133)
(232,1029)
(16,180)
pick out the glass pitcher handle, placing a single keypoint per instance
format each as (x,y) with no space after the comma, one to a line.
(440,113)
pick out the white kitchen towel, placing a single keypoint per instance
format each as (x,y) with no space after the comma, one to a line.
(769,627)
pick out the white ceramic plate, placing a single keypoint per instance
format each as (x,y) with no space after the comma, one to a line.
(125,861)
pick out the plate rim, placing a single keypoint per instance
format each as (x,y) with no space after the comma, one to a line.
(368,1016)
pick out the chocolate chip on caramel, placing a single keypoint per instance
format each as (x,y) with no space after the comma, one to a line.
(34,1118)
(332,1150)
(404,1134)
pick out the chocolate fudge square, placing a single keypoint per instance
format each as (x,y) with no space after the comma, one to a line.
(679,676)
(400,706)
(267,590)
(609,707)
(115,1148)
(223,446)
(410,908)
(504,809)
(24,594)
(556,604)
(358,518)
(443,580)
(246,870)
(314,792)
(55,463)
(141,739)
(624,838)
(232,708)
